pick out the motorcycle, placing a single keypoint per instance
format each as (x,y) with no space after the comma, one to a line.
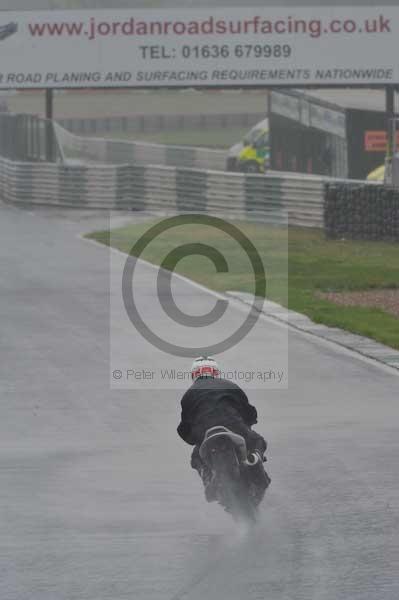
(238,476)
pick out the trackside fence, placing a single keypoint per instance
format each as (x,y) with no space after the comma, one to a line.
(42,163)
(361,211)
(28,138)
(109,151)
(139,124)
(295,199)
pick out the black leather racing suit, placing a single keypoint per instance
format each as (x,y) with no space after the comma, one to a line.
(210,402)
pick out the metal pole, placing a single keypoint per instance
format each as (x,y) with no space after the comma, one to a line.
(49,125)
(390,115)
(49,104)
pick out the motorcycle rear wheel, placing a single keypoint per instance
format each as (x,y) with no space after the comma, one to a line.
(233,493)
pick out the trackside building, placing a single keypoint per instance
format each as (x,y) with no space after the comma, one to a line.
(338,133)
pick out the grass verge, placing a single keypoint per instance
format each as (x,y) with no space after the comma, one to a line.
(299,261)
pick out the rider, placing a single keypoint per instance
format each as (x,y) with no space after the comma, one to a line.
(212,401)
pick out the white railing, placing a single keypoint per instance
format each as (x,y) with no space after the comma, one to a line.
(112,151)
(274,198)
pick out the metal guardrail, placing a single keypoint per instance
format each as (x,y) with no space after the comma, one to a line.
(109,151)
(275,199)
(158,123)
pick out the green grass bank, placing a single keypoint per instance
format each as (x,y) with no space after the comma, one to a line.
(299,264)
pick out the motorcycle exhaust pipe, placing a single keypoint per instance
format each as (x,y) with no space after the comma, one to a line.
(252,460)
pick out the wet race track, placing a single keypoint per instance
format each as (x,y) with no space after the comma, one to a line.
(97,500)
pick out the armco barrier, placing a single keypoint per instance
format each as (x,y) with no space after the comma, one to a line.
(275,199)
(108,151)
(361,211)
(155,123)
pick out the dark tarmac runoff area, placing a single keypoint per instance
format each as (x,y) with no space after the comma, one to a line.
(97,499)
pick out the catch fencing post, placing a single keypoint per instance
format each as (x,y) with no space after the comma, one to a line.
(49,125)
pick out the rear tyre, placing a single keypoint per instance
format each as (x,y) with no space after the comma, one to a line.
(233,492)
(246,510)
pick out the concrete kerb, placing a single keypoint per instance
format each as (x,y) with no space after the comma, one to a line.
(356,343)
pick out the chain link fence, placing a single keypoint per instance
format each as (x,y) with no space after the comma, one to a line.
(361,211)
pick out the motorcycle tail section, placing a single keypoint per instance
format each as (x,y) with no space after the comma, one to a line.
(240,479)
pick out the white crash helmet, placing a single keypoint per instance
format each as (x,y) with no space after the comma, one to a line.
(204,366)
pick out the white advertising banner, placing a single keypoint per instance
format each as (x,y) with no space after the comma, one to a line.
(207,47)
